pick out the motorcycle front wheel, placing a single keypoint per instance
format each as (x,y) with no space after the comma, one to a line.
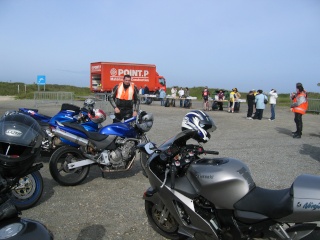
(167,227)
(28,191)
(58,166)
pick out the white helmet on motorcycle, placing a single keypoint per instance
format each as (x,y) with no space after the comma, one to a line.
(144,121)
(89,104)
(20,143)
(97,115)
(201,122)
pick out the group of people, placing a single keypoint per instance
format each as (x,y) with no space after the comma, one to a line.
(257,101)
(125,101)
(182,94)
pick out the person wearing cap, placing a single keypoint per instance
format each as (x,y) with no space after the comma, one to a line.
(299,106)
(273,101)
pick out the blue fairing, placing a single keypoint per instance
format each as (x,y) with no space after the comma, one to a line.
(119,129)
(63,116)
(68,116)
(34,114)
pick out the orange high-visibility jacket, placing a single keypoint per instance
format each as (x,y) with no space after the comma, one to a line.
(301,103)
(125,94)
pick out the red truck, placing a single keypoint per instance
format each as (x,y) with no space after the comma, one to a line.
(105,75)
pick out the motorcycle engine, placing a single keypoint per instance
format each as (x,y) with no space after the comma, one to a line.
(124,153)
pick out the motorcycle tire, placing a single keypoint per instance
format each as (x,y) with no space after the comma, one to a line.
(169,228)
(28,191)
(58,166)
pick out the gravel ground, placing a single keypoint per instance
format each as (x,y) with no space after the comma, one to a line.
(112,207)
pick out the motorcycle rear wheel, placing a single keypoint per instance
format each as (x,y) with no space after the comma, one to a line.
(28,191)
(58,166)
(169,228)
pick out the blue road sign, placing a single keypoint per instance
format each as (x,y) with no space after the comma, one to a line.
(41,80)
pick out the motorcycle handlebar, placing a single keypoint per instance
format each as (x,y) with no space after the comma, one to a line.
(212,152)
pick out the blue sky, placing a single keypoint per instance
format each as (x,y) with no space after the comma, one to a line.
(260,44)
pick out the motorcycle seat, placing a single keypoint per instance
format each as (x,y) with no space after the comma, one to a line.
(92,135)
(274,204)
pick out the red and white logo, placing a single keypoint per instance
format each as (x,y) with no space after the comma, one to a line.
(113,72)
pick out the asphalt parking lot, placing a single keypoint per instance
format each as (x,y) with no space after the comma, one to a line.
(112,207)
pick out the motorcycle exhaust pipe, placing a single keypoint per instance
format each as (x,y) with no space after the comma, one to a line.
(71,137)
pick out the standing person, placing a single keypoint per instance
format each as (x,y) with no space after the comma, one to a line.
(232,100)
(125,99)
(237,100)
(141,91)
(299,107)
(181,95)
(220,98)
(205,96)
(146,89)
(273,101)
(186,103)
(173,95)
(251,102)
(260,105)
(162,96)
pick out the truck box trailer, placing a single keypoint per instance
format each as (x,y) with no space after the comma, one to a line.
(105,75)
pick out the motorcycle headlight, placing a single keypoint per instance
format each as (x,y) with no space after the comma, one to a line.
(10,230)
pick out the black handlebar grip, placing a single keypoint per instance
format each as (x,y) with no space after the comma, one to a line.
(212,152)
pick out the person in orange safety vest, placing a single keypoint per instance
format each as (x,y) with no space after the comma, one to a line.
(125,99)
(299,106)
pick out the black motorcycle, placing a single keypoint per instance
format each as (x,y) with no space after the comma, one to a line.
(20,144)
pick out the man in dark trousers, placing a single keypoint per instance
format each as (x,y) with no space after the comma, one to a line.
(299,106)
(125,99)
(146,89)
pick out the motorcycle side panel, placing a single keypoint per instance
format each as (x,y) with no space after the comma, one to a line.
(119,129)
(306,199)
(223,181)
(63,116)
(34,114)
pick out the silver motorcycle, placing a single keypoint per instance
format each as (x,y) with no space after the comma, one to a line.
(216,198)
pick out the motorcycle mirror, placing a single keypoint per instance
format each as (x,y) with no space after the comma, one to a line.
(150,148)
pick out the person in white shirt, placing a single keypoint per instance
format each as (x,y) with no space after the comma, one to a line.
(273,101)
(181,95)
(173,95)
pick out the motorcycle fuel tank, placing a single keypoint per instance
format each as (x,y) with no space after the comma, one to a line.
(119,129)
(222,181)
